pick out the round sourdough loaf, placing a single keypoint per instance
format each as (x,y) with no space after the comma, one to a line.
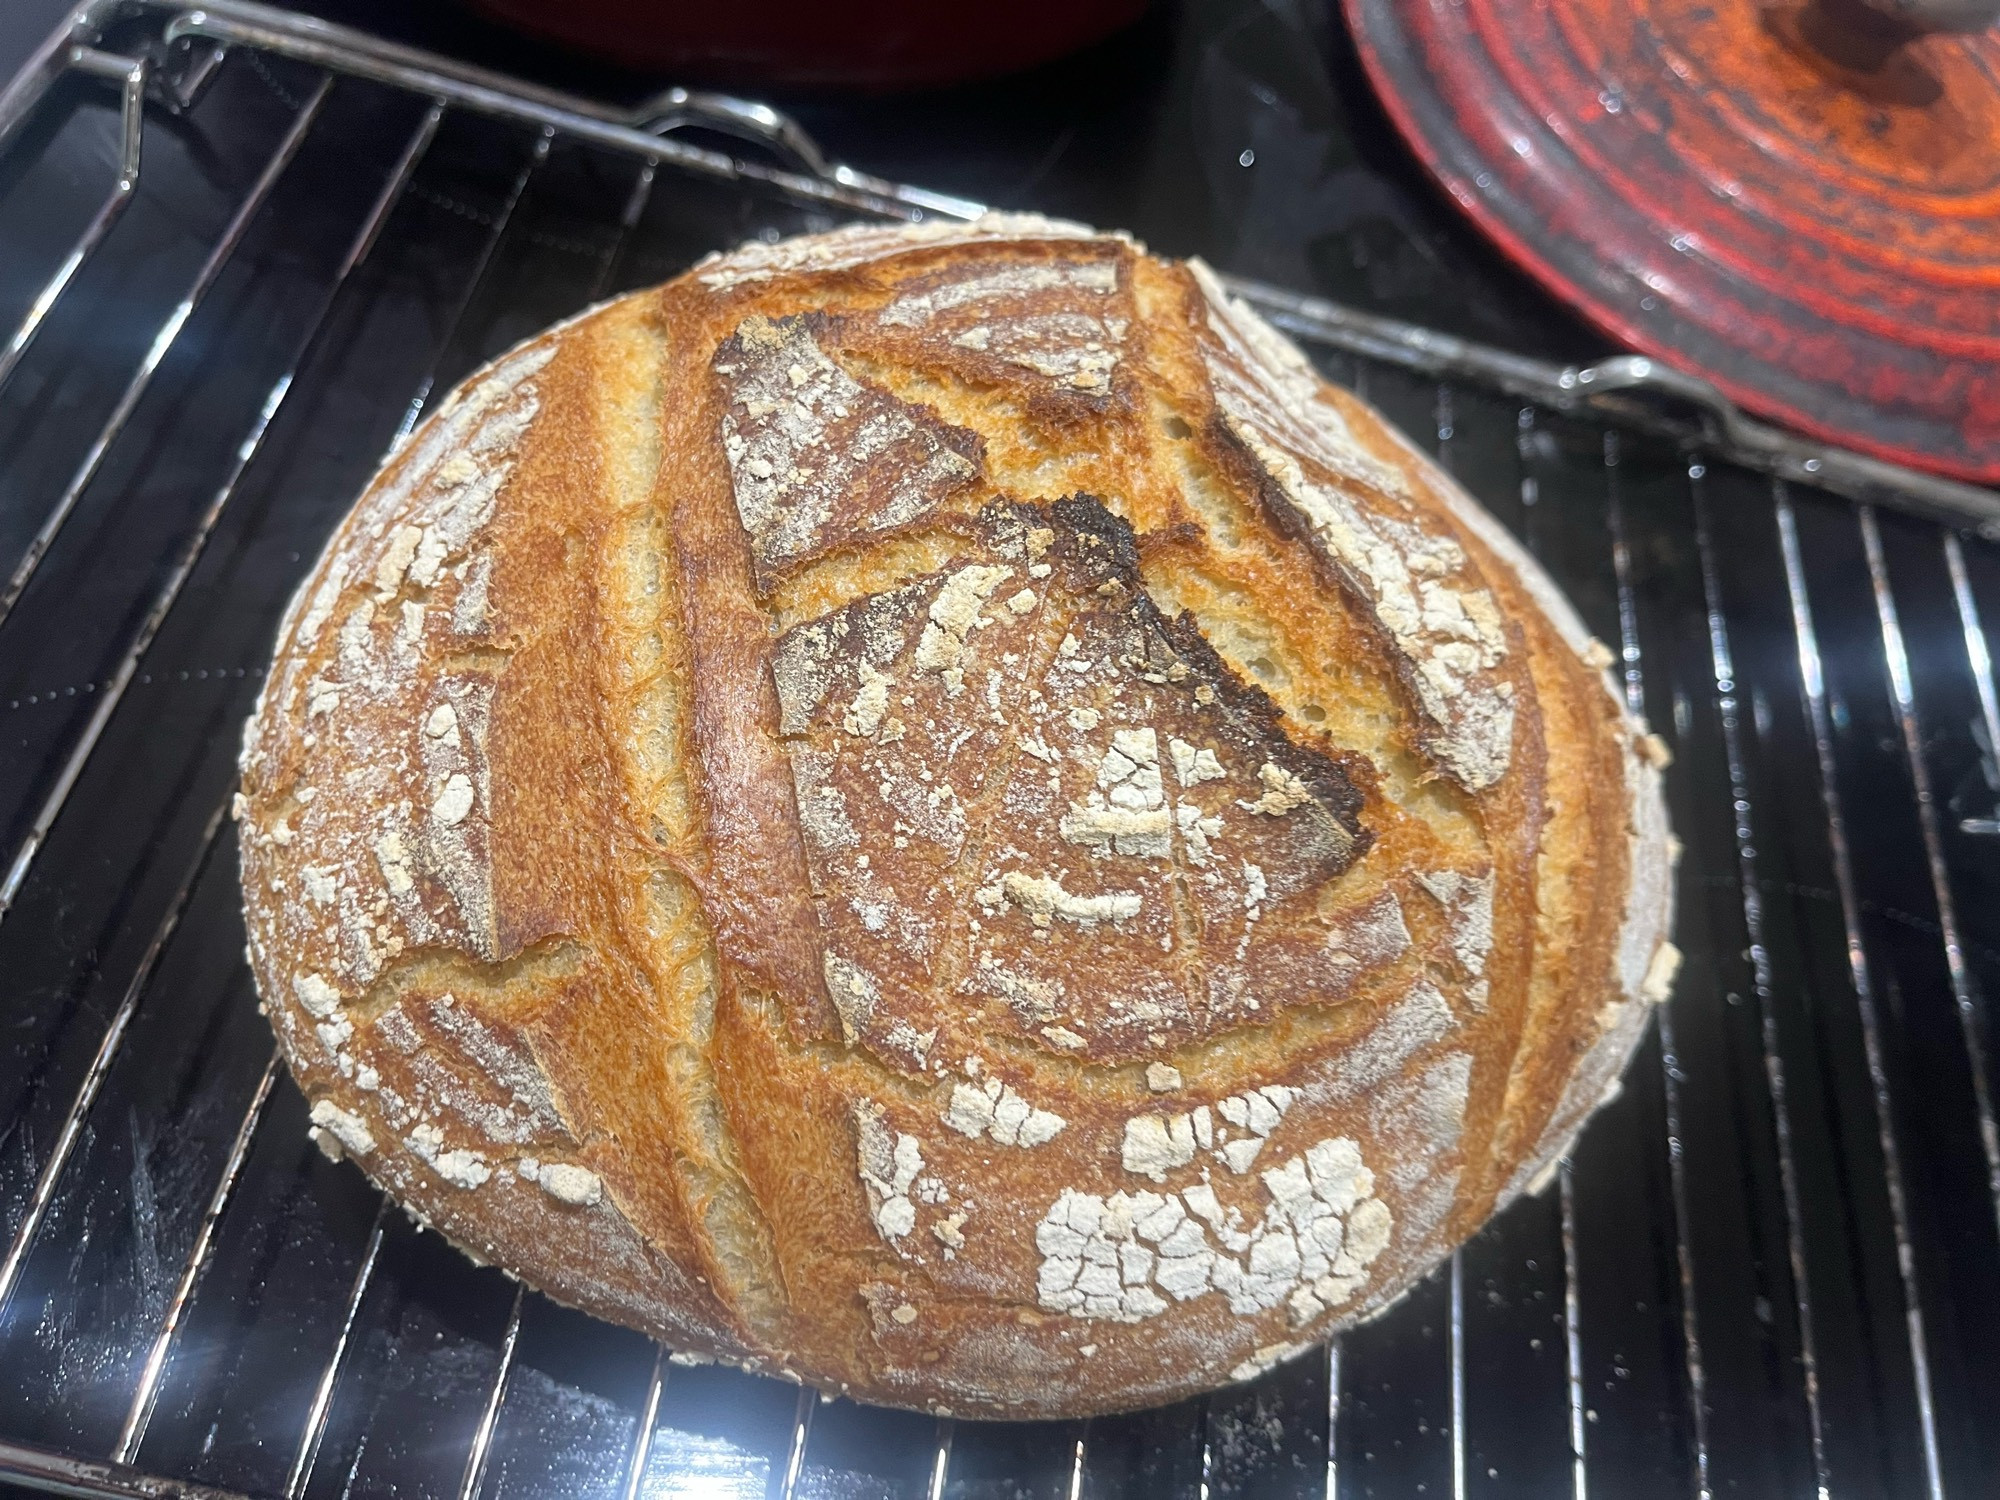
(931,811)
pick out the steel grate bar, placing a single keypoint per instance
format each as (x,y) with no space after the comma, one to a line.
(1813,680)
(100,1066)
(148,1392)
(314,1432)
(635,209)
(1903,690)
(64,1474)
(642,1440)
(1730,706)
(941,1458)
(170,330)
(1332,1421)
(1981,658)
(482,1438)
(1722,662)
(795,1452)
(1670,1069)
(480,267)
(130,73)
(320,44)
(1573,1333)
(1456,1346)
(184,565)
(1207,1470)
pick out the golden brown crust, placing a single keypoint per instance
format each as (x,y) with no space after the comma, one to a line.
(931,810)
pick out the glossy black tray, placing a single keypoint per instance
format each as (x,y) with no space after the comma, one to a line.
(1772,1268)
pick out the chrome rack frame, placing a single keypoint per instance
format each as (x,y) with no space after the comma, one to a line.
(1635,390)
(1628,390)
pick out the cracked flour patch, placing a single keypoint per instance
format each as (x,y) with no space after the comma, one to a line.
(1121,1257)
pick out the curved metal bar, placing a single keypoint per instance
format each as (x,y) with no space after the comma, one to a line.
(642,1438)
(61,1474)
(170,330)
(1819,716)
(481,1452)
(1633,389)
(131,72)
(679,108)
(321,1407)
(1626,389)
(108,1048)
(83,26)
(142,639)
(140,1413)
(240,23)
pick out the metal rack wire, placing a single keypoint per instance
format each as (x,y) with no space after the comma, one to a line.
(1772,1266)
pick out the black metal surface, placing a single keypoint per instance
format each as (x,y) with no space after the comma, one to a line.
(1772,1268)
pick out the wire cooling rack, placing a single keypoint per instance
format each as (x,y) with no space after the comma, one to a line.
(242,252)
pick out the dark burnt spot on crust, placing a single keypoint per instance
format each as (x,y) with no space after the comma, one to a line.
(1016,770)
(1175,652)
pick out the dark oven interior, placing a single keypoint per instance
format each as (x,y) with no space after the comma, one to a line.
(1772,1266)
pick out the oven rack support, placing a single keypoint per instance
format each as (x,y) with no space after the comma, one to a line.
(1628,391)
(1634,390)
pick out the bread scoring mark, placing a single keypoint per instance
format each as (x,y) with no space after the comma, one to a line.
(1468,905)
(816,458)
(1446,631)
(861,244)
(1059,319)
(1263,378)
(1451,641)
(1110,1258)
(967,760)
(1233,1132)
(993,1109)
(1640,966)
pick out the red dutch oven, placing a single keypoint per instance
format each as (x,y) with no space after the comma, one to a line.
(871,44)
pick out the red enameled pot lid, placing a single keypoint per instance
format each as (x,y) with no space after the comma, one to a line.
(1798,200)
